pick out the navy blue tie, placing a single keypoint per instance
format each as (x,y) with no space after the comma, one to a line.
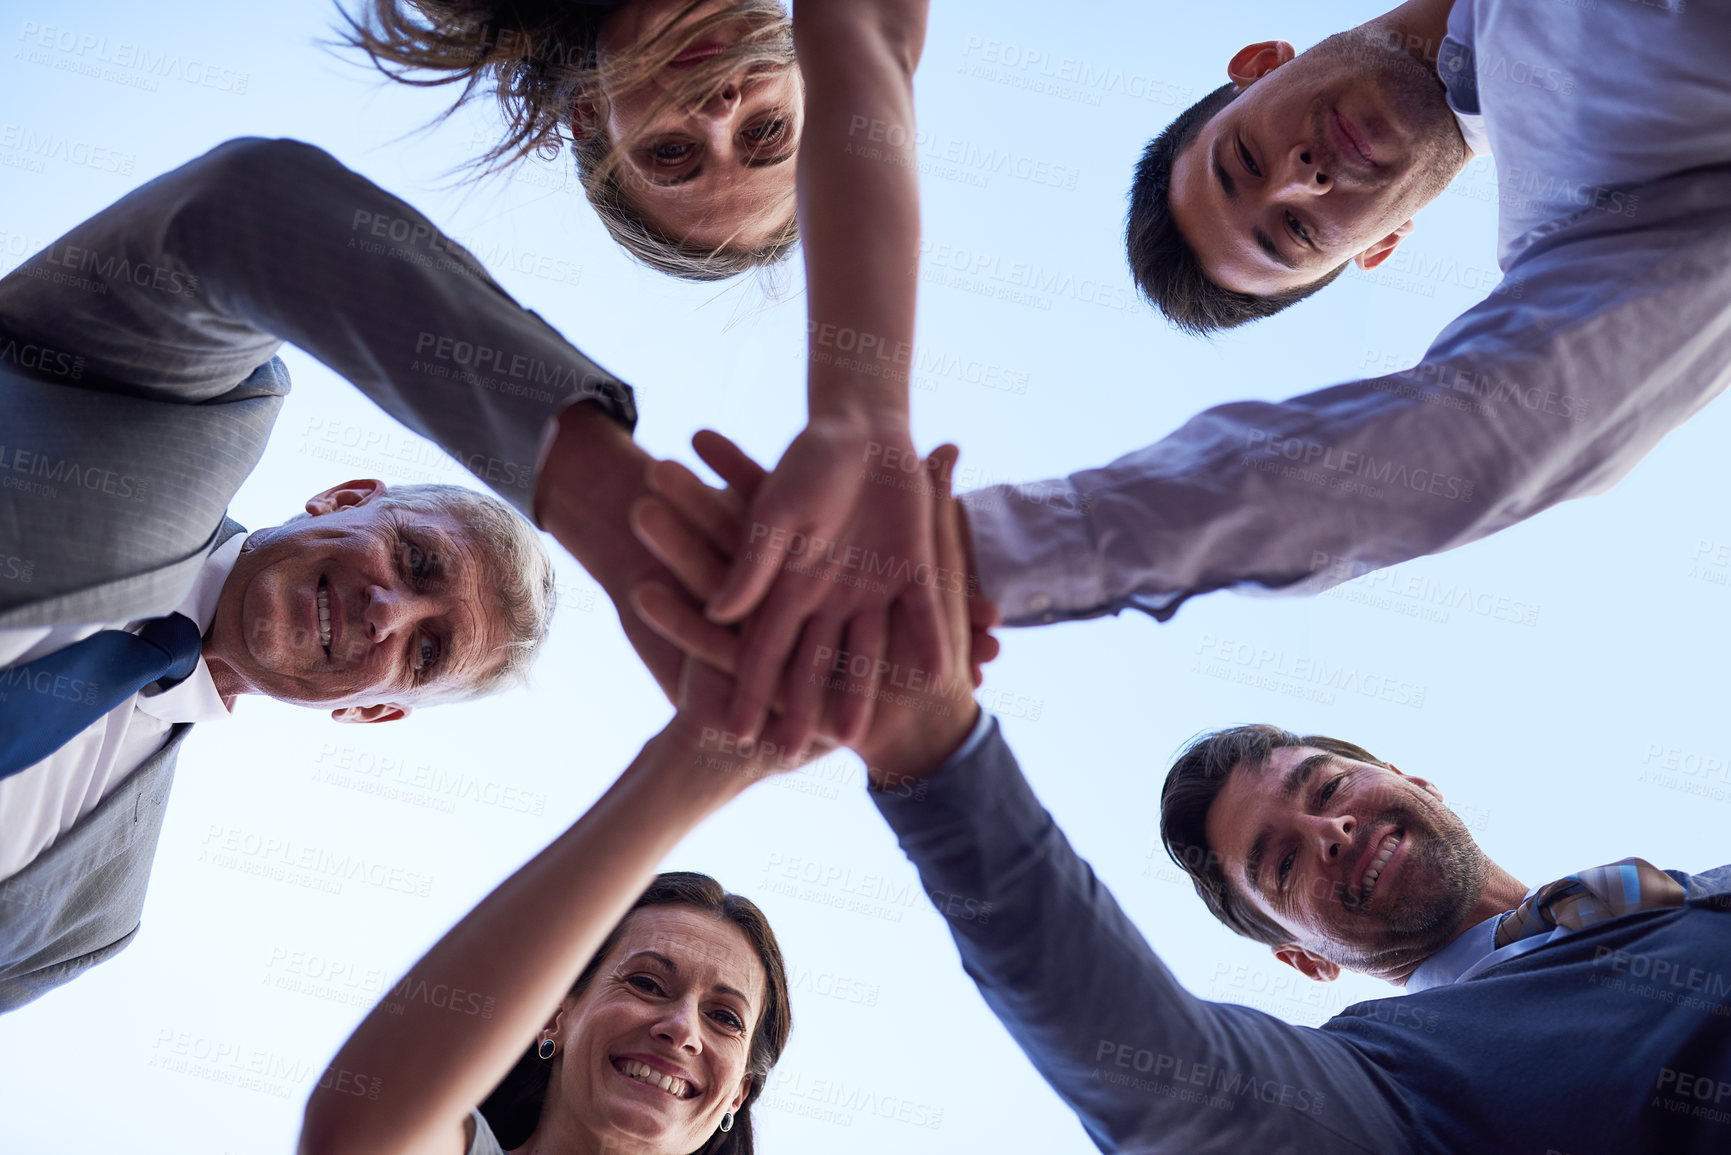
(45,703)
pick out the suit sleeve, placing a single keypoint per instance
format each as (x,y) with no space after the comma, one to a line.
(1602,339)
(1146,1065)
(183,288)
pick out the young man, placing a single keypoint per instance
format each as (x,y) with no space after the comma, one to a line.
(1611,128)
(1527,1026)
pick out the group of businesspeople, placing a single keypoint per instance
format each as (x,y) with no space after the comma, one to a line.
(643,1013)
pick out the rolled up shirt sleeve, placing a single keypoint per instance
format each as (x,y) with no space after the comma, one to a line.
(1605,335)
(1146,1065)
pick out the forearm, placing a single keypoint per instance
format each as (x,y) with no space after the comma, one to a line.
(859,203)
(590,475)
(517,954)
(1552,389)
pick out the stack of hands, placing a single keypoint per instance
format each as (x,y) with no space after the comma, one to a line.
(829,604)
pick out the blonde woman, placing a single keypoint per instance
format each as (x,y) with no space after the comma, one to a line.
(683,117)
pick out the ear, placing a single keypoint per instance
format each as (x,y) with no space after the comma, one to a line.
(1307,962)
(556,1024)
(1379,252)
(1254,61)
(585,115)
(389,712)
(744,1090)
(345,496)
(1427,787)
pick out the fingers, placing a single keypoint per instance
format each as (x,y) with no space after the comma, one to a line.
(805,687)
(768,640)
(868,638)
(729,461)
(683,624)
(982,648)
(755,566)
(718,514)
(676,544)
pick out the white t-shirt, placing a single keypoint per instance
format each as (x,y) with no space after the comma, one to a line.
(484,1142)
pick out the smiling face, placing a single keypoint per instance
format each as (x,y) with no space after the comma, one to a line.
(1322,158)
(358,606)
(716,174)
(654,1051)
(1364,866)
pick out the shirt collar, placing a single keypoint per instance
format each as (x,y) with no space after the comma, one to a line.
(1452,962)
(195,699)
(1457,68)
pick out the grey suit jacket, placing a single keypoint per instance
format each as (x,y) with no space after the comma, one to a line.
(138,387)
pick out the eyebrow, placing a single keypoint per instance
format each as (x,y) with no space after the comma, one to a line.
(1267,245)
(673,969)
(1290,787)
(1230,187)
(453,647)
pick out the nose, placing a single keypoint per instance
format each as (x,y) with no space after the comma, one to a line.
(678,1027)
(387,613)
(724,102)
(1330,835)
(1300,176)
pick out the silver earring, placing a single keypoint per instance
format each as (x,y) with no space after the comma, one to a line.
(727,1121)
(546,1049)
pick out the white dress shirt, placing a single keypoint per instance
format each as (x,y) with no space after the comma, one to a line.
(44,801)
(1611,128)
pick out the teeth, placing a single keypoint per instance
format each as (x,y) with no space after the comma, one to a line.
(644,1073)
(324,600)
(1375,871)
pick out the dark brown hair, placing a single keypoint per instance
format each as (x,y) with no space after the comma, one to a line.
(513,1110)
(1195,780)
(539,59)
(1164,263)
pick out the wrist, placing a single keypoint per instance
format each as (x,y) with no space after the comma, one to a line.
(591,473)
(698,764)
(917,753)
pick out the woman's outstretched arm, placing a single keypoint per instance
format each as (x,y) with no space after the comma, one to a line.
(513,958)
(839,508)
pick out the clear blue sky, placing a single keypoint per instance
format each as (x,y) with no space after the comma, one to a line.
(1551,732)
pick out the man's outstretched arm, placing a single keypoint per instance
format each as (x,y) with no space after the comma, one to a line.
(185,288)
(1604,337)
(1146,1065)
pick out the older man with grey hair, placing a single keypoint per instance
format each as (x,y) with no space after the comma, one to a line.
(139,384)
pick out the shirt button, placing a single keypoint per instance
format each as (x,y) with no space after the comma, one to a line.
(1040,603)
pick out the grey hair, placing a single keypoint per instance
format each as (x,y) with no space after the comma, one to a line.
(519,570)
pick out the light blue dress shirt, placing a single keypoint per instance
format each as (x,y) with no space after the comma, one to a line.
(1610,122)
